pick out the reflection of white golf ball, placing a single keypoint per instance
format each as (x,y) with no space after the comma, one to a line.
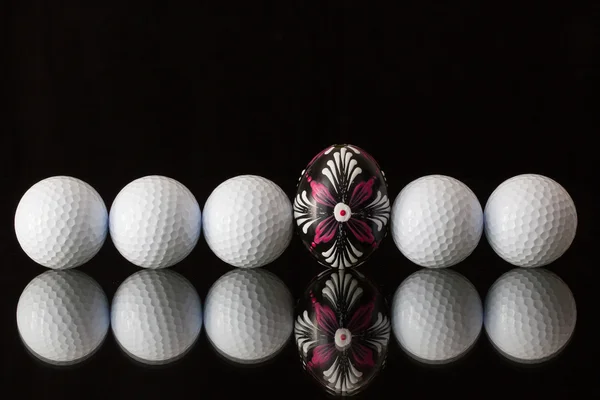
(530,314)
(249,315)
(156,316)
(437,315)
(530,220)
(436,221)
(248,221)
(63,316)
(61,222)
(155,222)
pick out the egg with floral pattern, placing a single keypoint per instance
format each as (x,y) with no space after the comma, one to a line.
(342,331)
(341,208)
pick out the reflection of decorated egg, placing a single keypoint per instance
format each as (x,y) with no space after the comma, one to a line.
(342,331)
(341,207)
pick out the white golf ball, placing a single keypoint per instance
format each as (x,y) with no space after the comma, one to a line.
(530,315)
(437,315)
(156,316)
(436,221)
(63,316)
(249,315)
(61,222)
(155,222)
(530,220)
(248,221)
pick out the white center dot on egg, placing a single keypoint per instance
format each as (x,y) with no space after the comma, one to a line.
(343,338)
(342,212)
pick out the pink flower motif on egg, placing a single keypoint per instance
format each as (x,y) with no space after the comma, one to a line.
(342,338)
(345,210)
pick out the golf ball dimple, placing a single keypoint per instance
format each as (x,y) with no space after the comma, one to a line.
(156,316)
(155,222)
(249,315)
(63,316)
(341,207)
(437,221)
(530,315)
(437,315)
(248,221)
(530,220)
(61,222)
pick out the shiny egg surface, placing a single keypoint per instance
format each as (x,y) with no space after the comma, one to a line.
(341,208)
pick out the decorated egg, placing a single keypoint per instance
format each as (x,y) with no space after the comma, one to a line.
(342,331)
(341,208)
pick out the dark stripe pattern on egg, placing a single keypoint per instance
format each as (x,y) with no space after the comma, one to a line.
(341,208)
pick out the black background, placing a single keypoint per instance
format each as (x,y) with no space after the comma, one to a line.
(480,91)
